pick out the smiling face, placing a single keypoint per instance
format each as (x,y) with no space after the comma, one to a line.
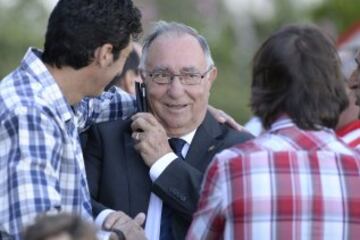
(179,108)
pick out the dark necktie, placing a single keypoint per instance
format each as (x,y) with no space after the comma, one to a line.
(176,145)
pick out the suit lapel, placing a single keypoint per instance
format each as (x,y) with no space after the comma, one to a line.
(205,142)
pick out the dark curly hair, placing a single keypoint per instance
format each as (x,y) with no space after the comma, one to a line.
(296,72)
(77,27)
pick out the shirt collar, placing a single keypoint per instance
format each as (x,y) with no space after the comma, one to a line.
(284,121)
(50,92)
(188,137)
(348,128)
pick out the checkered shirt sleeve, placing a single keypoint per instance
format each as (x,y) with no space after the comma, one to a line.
(111,105)
(32,145)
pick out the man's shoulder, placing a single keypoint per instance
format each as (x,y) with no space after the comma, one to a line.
(19,90)
(231,136)
(266,147)
(113,124)
(110,130)
(13,105)
(236,136)
(223,133)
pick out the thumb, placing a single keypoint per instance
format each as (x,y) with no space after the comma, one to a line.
(140,218)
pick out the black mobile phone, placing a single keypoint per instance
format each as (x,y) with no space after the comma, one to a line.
(141,102)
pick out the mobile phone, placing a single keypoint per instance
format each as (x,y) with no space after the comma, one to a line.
(141,102)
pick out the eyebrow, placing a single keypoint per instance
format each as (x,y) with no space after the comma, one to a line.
(189,69)
(184,69)
(160,68)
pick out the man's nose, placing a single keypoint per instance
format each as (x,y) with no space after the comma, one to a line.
(175,87)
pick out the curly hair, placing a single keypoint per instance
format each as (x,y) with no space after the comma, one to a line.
(77,27)
(296,72)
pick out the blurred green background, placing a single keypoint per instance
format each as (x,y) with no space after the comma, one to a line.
(234,29)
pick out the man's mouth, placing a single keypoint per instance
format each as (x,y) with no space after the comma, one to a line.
(176,106)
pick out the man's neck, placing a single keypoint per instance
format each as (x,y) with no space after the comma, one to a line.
(70,82)
(188,137)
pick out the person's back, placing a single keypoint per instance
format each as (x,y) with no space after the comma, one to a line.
(297,180)
(287,183)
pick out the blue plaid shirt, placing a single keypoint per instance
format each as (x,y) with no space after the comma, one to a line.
(41,163)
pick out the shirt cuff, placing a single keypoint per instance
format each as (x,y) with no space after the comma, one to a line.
(161,164)
(99,221)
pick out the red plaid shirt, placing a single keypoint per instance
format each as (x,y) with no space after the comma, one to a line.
(285,184)
(350,134)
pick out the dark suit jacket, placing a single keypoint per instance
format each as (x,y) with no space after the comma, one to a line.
(119,179)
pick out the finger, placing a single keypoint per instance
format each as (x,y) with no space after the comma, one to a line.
(110,220)
(140,218)
(136,136)
(144,115)
(122,223)
(114,217)
(140,124)
(141,147)
(138,115)
(119,235)
(220,119)
(221,116)
(233,124)
(148,117)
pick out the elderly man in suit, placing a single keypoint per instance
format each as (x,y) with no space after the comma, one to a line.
(154,163)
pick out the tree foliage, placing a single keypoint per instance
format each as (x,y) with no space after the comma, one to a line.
(343,13)
(22,24)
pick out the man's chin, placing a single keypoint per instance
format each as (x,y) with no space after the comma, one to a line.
(95,94)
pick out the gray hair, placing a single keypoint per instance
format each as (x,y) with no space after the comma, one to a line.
(176,29)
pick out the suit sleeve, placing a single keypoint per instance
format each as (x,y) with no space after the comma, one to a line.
(93,165)
(179,187)
(180,183)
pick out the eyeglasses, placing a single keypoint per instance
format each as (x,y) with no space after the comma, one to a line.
(166,77)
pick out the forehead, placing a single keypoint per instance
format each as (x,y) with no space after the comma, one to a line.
(175,52)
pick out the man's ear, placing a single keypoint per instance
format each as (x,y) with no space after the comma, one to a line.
(213,74)
(104,56)
(129,82)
